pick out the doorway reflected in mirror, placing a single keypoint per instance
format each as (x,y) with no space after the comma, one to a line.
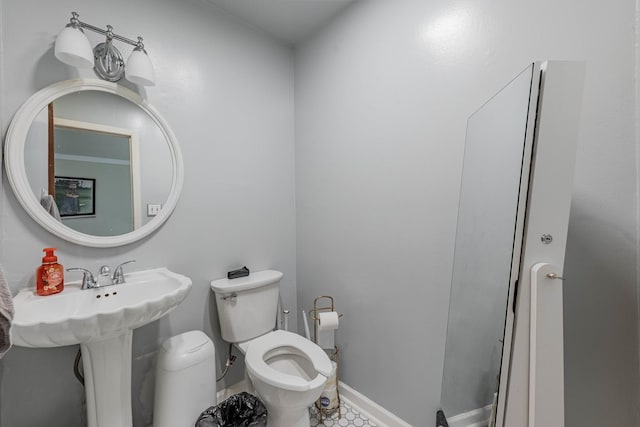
(108,155)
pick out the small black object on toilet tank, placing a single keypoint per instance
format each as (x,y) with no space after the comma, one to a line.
(241,272)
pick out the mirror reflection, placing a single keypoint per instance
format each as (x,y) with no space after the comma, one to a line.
(484,251)
(98,163)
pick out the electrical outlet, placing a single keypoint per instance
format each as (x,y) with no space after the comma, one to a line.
(153,209)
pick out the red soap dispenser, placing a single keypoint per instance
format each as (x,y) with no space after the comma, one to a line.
(50,275)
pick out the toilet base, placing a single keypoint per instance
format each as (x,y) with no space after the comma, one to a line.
(287,417)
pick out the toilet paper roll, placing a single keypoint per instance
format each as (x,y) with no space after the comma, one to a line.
(328,321)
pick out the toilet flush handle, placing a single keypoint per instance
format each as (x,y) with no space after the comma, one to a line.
(231,297)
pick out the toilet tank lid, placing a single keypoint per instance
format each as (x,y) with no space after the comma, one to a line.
(252,281)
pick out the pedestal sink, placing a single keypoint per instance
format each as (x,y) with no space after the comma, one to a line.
(102,321)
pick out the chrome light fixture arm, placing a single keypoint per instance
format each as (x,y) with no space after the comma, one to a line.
(108,32)
(108,61)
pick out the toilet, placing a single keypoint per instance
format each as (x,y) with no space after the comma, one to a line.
(287,371)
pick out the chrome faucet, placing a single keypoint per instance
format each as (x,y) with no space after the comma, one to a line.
(88,281)
(105,277)
(118,273)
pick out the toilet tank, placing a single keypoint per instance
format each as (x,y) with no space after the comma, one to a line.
(247,306)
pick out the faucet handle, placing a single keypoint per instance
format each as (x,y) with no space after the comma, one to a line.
(118,273)
(88,281)
(104,270)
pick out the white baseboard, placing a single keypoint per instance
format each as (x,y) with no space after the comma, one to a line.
(475,418)
(375,412)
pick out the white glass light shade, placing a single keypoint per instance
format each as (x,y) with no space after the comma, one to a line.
(73,48)
(139,69)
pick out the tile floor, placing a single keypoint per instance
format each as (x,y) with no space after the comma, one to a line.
(349,417)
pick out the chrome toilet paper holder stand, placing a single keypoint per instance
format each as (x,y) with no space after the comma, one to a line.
(326,303)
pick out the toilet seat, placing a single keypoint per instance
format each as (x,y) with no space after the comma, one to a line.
(258,367)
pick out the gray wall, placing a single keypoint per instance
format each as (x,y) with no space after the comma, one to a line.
(228,93)
(382,98)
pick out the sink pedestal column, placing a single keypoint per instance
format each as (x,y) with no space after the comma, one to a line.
(107,381)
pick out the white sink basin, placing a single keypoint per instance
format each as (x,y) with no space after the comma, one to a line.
(77,316)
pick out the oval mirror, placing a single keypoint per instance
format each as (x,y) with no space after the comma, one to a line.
(93,163)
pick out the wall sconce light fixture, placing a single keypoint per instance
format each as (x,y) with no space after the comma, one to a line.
(73,48)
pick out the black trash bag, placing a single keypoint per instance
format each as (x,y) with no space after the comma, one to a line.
(441,420)
(240,410)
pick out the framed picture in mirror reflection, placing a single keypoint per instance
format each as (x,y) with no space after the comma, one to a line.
(75,197)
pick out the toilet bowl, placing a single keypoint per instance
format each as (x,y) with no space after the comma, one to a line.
(287,371)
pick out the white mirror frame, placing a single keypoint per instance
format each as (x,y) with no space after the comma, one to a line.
(17,174)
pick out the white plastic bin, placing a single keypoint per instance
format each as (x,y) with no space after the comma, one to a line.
(185,380)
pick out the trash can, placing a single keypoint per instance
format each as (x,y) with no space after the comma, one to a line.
(240,410)
(185,379)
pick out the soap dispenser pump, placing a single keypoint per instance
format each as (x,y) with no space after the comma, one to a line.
(50,275)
